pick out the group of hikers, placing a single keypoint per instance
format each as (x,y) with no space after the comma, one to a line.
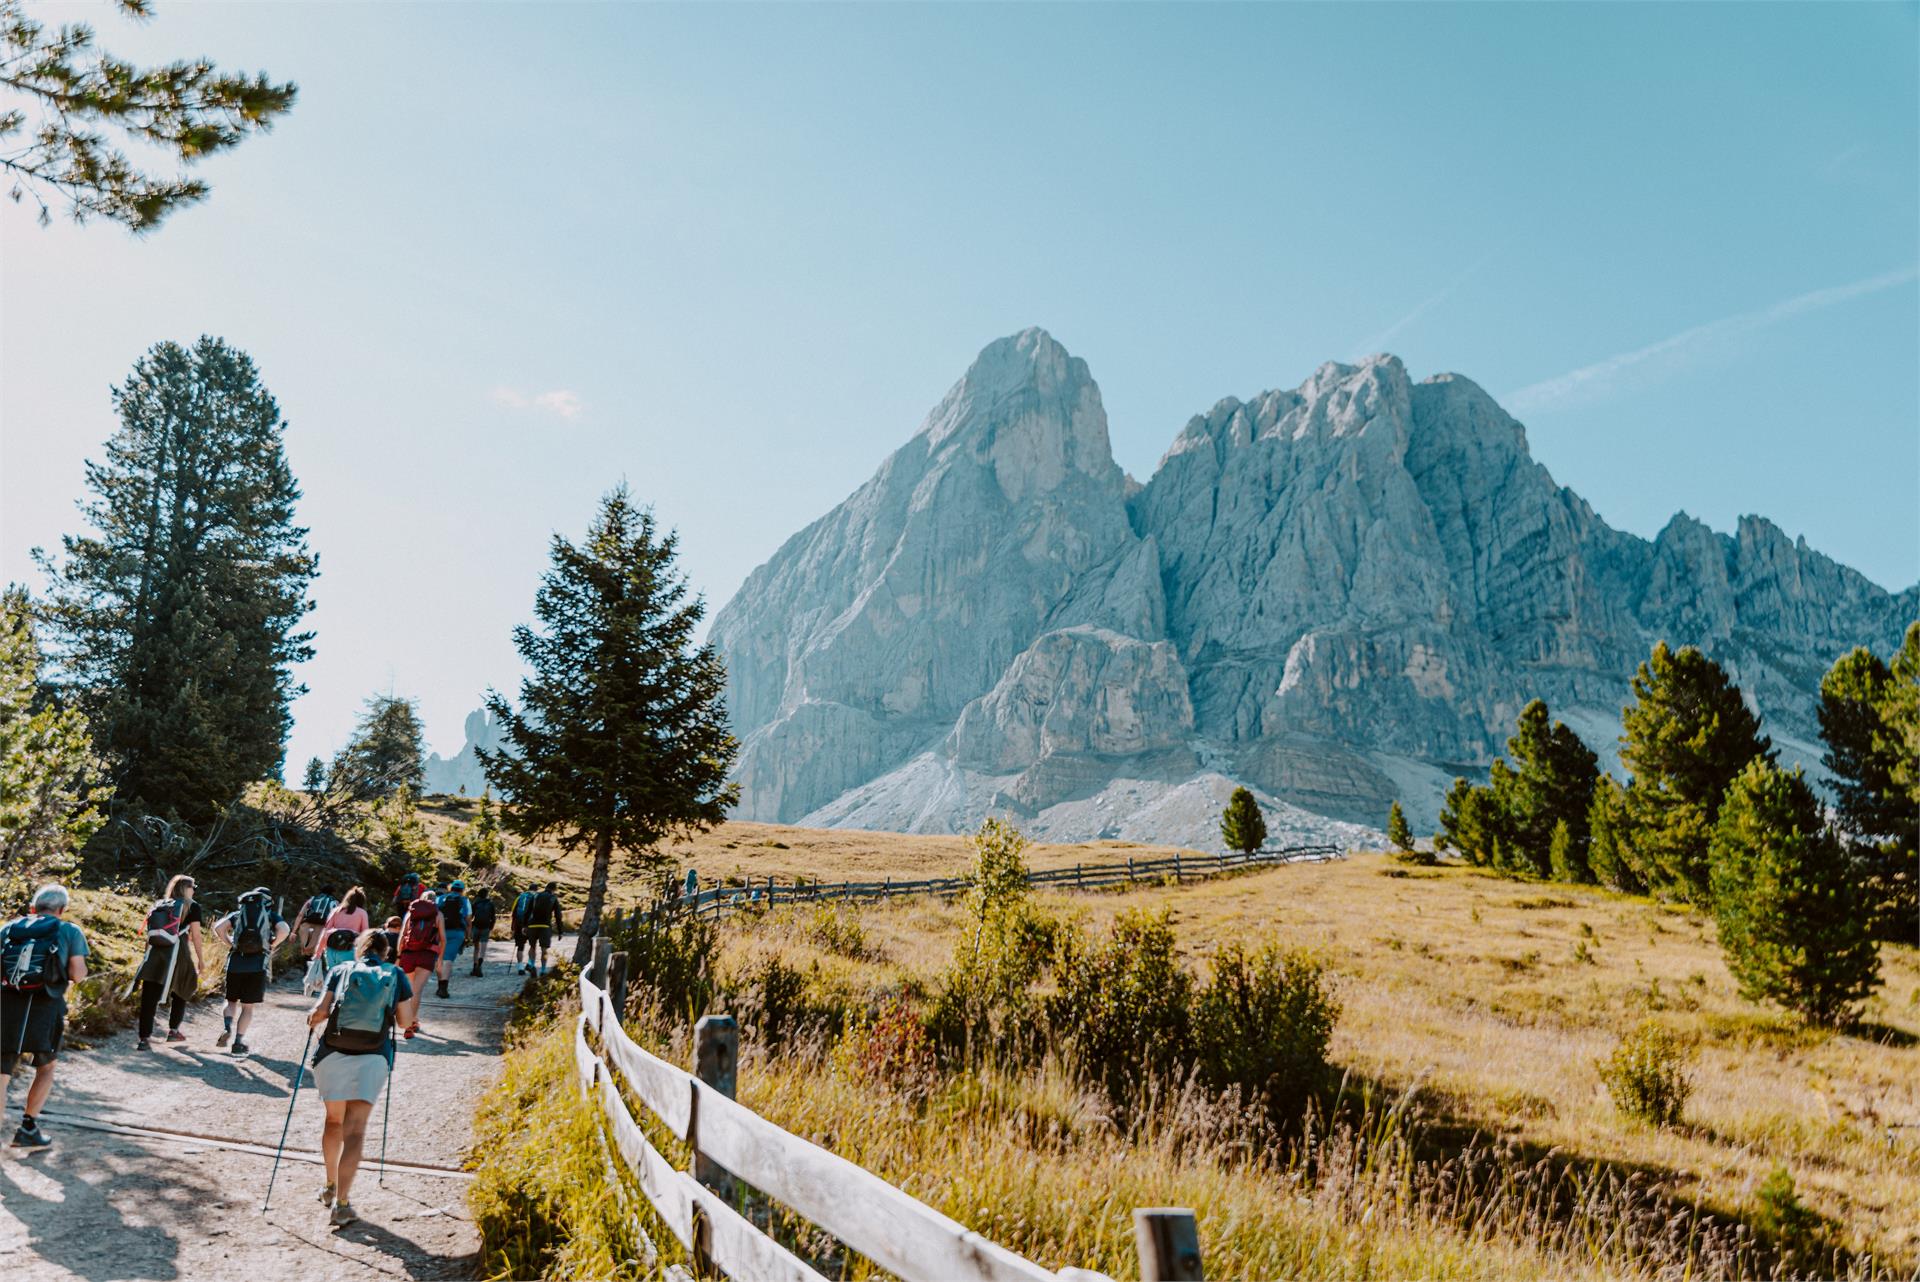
(368,982)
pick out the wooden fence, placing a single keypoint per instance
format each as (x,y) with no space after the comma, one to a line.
(1181,866)
(731,1142)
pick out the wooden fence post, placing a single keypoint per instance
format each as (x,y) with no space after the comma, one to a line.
(1129,870)
(617,986)
(716,1058)
(1079,878)
(770,891)
(1168,1241)
(597,968)
(1176,867)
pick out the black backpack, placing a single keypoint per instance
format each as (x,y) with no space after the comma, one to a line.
(483,913)
(319,908)
(250,931)
(450,915)
(541,911)
(30,955)
(164,920)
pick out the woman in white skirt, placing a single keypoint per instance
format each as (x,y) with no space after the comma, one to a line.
(354,1059)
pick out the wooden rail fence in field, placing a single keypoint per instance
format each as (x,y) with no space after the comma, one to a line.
(731,1142)
(1180,866)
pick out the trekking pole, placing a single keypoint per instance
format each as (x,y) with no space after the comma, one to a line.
(386,1110)
(299,1071)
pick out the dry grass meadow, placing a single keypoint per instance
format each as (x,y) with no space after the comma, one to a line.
(1488,1000)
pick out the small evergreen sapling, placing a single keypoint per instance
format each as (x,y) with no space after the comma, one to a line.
(1242,826)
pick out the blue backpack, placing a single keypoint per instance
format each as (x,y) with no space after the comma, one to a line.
(363,1001)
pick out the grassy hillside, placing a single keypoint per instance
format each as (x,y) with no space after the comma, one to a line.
(1484,1003)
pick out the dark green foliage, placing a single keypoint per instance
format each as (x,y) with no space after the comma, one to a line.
(621,735)
(1780,1214)
(1564,858)
(1790,917)
(1647,1075)
(65,91)
(671,979)
(1261,1024)
(1869,750)
(315,778)
(176,616)
(1242,826)
(1687,734)
(1397,831)
(1607,863)
(1124,1005)
(388,752)
(1552,784)
(984,1000)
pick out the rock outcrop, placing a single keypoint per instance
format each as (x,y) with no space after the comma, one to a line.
(1339,594)
(461,772)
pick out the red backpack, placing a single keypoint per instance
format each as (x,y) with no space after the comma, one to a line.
(421,931)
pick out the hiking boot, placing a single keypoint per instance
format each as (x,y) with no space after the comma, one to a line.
(342,1215)
(222,1039)
(442,992)
(31,1137)
(144,1045)
(175,1035)
(239,1048)
(326,1195)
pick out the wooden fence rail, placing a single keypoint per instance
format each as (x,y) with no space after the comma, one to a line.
(731,1142)
(1181,867)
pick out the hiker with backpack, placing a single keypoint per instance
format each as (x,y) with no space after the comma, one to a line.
(170,969)
(455,915)
(543,923)
(350,915)
(405,893)
(251,932)
(422,938)
(40,954)
(517,926)
(358,1010)
(481,926)
(313,921)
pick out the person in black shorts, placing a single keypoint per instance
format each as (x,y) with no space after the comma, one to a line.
(543,923)
(33,1014)
(481,930)
(251,932)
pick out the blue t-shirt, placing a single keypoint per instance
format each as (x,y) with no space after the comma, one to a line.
(69,942)
(454,912)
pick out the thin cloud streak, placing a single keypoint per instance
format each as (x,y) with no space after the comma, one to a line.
(560,402)
(1675,351)
(1378,343)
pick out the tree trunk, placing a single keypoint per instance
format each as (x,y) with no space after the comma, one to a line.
(596,898)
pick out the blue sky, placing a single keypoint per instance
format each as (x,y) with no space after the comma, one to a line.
(501,256)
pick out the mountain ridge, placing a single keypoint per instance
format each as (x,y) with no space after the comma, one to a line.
(1338,594)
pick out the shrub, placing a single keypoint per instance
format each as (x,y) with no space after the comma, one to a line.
(1124,1005)
(893,1049)
(985,999)
(1781,1214)
(838,932)
(670,967)
(1261,1024)
(1792,923)
(1397,831)
(1647,1075)
(779,1002)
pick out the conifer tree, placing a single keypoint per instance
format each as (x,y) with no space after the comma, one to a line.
(1397,831)
(1790,918)
(1562,857)
(1686,736)
(1551,784)
(1868,751)
(176,617)
(388,751)
(1242,826)
(621,735)
(51,785)
(315,779)
(1607,862)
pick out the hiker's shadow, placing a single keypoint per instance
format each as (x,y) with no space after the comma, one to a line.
(227,1073)
(77,1228)
(406,1252)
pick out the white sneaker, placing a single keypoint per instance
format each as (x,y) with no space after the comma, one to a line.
(342,1215)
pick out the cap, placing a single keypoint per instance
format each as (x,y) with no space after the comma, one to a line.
(459,884)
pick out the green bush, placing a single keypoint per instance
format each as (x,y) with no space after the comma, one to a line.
(1781,1214)
(671,978)
(984,1000)
(779,1002)
(1261,1024)
(1124,1005)
(1647,1075)
(839,932)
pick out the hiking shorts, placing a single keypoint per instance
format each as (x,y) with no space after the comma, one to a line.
(341,1076)
(540,937)
(248,987)
(414,962)
(31,1028)
(456,940)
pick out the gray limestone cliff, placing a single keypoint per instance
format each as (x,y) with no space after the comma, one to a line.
(1339,594)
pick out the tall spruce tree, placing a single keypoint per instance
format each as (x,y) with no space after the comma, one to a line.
(1551,784)
(1790,917)
(176,618)
(1242,826)
(1607,863)
(1868,753)
(1686,735)
(621,735)
(388,751)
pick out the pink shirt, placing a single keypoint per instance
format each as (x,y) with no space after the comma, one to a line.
(353,919)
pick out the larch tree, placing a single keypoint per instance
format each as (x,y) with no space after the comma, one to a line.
(1686,735)
(60,94)
(1242,826)
(176,619)
(620,738)
(388,752)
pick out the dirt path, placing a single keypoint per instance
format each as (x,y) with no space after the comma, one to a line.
(160,1159)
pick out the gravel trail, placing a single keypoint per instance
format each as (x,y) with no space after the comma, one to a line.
(160,1159)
